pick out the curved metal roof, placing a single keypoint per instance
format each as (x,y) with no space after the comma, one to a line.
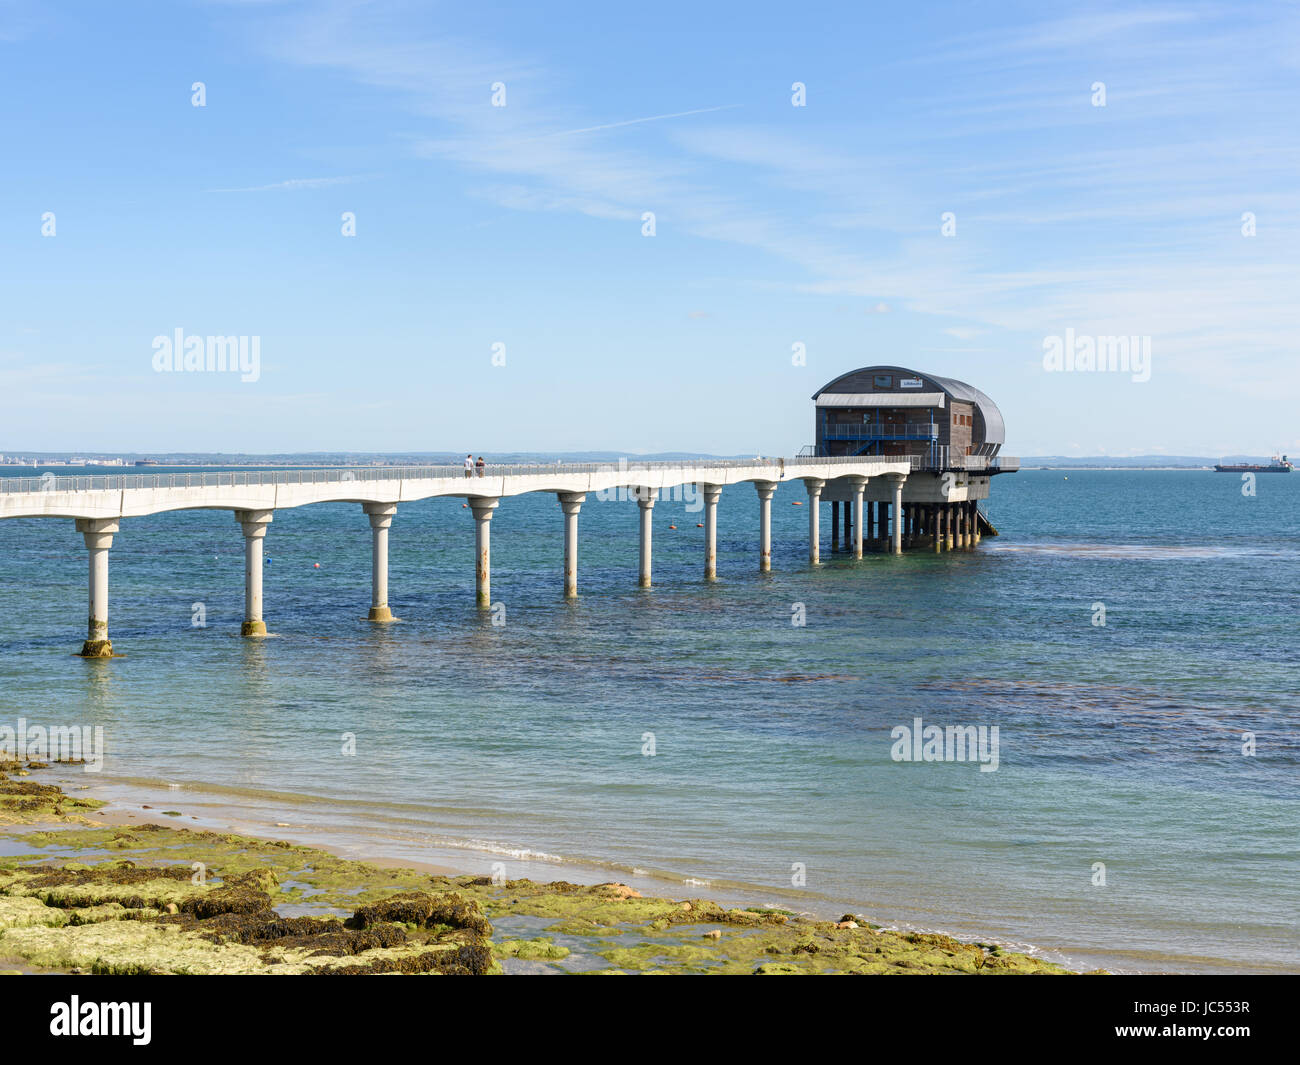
(995,430)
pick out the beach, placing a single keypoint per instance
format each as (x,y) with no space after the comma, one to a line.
(89,890)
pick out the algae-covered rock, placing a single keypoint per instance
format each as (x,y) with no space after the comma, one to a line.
(27,802)
(424,910)
(531,949)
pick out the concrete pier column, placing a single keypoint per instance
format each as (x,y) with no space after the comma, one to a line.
(645,500)
(896,508)
(975,523)
(571,503)
(482,509)
(381,519)
(835,526)
(960,515)
(814,486)
(254,523)
(766,490)
(948,538)
(848,527)
(938,527)
(712,493)
(98,536)
(859,485)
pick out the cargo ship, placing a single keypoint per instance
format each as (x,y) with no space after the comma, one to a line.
(1278,465)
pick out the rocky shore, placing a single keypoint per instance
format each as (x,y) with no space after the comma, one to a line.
(78,895)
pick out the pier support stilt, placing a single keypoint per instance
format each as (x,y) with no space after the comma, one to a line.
(381,519)
(975,523)
(848,527)
(712,493)
(814,486)
(254,523)
(948,538)
(859,485)
(835,526)
(571,503)
(960,515)
(645,500)
(482,509)
(98,536)
(766,490)
(896,509)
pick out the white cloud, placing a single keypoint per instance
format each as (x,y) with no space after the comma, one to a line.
(297,184)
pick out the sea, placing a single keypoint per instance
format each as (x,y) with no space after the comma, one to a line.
(1131,636)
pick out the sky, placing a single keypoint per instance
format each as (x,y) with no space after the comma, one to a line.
(955,185)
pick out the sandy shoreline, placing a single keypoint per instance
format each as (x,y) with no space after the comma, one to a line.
(134,802)
(87,888)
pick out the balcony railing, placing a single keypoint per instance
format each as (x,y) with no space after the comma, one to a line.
(875,431)
(941,459)
(935,458)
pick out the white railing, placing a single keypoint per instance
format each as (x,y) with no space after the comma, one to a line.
(945,461)
(255,478)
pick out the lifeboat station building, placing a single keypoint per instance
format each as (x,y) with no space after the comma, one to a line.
(950,432)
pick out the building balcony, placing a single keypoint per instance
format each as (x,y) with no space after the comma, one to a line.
(873,431)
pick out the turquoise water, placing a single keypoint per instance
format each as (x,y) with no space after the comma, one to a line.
(523,743)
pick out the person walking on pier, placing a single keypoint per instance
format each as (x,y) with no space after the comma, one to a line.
(469,465)
(480,465)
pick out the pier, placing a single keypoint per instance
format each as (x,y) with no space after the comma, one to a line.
(99,505)
(902,459)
